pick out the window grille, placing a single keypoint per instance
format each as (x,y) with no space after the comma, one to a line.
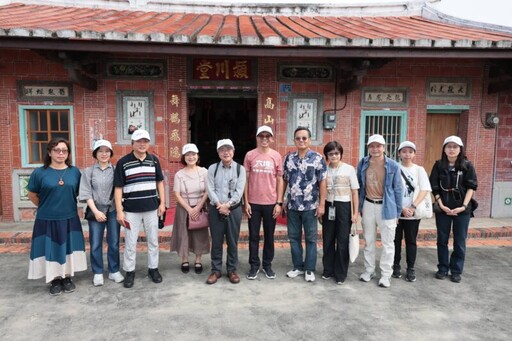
(390,124)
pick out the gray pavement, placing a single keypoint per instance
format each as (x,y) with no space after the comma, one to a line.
(183,307)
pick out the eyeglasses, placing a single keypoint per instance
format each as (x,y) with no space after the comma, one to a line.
(264,136)
(333,154)
(301,138)
(60,151)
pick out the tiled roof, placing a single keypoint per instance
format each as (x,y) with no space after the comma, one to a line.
(74,23)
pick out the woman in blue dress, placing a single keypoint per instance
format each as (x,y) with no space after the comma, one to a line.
(58,249)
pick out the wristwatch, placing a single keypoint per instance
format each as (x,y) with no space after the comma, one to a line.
(465,206)
(280,203)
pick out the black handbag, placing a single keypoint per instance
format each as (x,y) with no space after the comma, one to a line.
(89,215)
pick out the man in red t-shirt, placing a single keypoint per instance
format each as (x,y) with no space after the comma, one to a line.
(263,199)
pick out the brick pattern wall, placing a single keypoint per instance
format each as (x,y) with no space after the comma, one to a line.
(96,113)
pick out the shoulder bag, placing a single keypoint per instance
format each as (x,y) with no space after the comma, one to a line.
(424,208)
(202,221)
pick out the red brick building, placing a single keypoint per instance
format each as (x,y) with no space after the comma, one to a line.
(200,73)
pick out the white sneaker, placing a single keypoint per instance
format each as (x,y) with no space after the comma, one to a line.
(366,276)
(294,273)
(384,282)
(310,276)
(97,280)
(116,277)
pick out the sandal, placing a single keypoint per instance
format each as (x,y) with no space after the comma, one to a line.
(198,267)
(185,267)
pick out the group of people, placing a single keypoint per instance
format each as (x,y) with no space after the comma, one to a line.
(306,186)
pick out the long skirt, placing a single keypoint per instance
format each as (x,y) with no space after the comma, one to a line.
(183,240)
(58,249)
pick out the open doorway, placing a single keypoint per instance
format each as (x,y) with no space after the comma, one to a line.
(213,118)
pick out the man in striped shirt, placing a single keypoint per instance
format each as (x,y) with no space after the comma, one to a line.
(140,200)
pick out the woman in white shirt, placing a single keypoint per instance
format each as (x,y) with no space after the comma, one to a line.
(408,224)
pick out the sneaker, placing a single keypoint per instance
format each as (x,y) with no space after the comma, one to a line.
(116,277)
(340,281)
(269,273)
(396,271)
(97,280)
(366,276)
(441,275)
(129,279)
(253,274)
(326,276)
(411,275)
(294,273)
(455,278)
(384,282)
(68,285)
(155,275)
(56,287)
(310,276)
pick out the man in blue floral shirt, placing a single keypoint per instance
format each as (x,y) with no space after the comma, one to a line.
(305,173)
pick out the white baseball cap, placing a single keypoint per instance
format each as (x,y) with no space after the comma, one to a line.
(407,144)
(225,142)
(376,138)
(101,143)
(263,129)
(454,139)
(140,134)
(189,147)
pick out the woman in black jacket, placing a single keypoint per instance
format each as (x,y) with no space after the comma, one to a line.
(453,180)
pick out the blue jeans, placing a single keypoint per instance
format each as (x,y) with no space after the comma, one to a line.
(297,219)
(444,223)
(96,232)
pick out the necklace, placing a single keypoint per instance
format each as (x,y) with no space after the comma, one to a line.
(61,182)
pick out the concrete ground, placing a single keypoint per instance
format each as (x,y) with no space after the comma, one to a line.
(183,307)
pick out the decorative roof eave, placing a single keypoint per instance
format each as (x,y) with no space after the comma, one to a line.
(233,40)
(155,48)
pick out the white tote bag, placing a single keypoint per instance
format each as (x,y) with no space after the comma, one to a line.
(424,209)
(353,243)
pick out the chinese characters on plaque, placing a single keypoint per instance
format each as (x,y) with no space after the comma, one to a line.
(448,89)
(136,114)
(44,91)
(384,97)
(305,111)
(221,69)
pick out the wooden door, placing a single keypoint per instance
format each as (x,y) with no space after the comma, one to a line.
(439,127)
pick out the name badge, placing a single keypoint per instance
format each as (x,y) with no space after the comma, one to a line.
(331,213)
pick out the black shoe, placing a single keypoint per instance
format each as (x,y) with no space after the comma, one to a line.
(154,275)
(396,271)
(441,275)
(56,287)
(68,285)
(269,273)
(253,273)
(185,267)
(129,278)
(455,278)
(325,275)
(198,268)
(411,275)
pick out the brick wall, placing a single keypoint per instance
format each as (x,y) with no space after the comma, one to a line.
(96,113)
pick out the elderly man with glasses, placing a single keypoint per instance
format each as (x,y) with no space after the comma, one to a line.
(305,173)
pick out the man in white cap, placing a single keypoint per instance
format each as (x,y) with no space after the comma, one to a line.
(140,200)
(380,203)
(226,182)
(263,199)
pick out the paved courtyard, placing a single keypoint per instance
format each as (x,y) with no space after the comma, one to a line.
(183,307)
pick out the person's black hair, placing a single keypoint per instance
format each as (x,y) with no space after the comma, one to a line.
(52,144)
(460,163)
(333,145)
(302,128)
(95,152)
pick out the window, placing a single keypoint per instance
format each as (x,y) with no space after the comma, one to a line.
(40,124)
(390,124)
